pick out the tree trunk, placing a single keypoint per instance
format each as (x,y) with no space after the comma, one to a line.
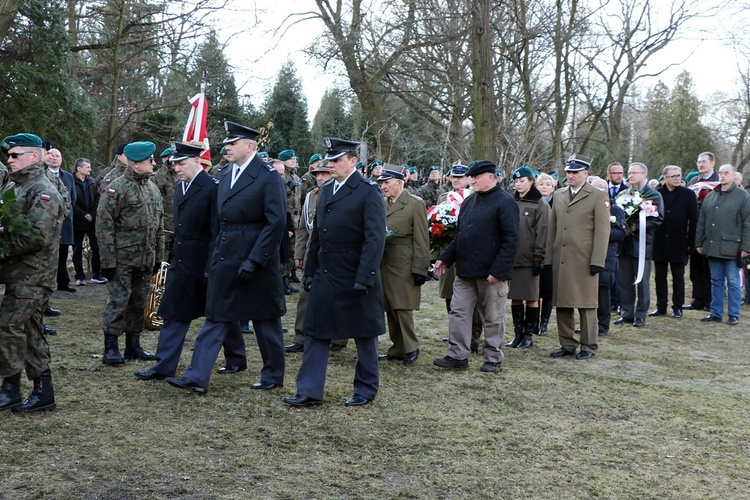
(114,97)
(8,11)
(485,123)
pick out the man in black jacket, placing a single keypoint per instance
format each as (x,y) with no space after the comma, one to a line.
(483,250)
(674,241)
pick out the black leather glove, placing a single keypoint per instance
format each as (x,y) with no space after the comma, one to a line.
(307,285)
(536,267)
(109,273)
(595,270)
(359,289)
(419,280)
(690,250)
(246,271)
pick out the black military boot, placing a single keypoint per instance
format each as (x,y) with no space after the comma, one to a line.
(530,326)
(112,354)
(133,349)
(288,288)
(10,392)
(518,326)
(545,314)
(42,398)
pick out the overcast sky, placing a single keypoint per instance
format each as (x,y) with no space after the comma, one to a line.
(257,55)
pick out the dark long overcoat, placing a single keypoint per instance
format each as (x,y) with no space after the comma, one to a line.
(677,233)
(66,234)
(346,246)
(195,227)
(252,220)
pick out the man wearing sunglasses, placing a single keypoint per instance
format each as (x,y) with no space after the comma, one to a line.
(29,268)
(131,242)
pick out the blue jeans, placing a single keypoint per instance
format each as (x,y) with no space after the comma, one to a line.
(725,274)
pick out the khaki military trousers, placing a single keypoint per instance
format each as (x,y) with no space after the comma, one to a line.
(566,327)
(490,298)
(401,331)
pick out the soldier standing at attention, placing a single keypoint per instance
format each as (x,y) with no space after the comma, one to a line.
(115,170)
(131,241)
(293,205)
(164,180)
(28,271)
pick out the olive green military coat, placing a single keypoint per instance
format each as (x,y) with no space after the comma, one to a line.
(406,254)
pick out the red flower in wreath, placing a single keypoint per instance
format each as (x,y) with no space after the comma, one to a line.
(437,229)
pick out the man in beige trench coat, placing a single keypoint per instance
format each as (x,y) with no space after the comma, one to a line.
(403,269)
(577,242)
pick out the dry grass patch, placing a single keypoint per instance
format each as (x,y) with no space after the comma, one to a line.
(659,412)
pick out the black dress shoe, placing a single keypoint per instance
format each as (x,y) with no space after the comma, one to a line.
(149,374)
(657,312)
(302,401)
(294,347)
(388,357)
(229,369)
(584,355)
(623,320)
(677,313)
(186,383)
(66,288)
(561,352)
(51,311)
(733,320)
(694,307)
(265,386)
(357,400)
(247,329)
(48,331)
(711,319)
(335,347)
(411,357)
(639,322)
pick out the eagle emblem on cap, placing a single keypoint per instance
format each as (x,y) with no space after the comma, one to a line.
(327,142)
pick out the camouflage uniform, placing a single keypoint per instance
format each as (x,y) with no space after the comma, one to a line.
(308,182)
(117,168)
(216,169)
(430,192)
(3,175)
(412,186)
(27,272)
(164,180)
(130,231)
(294,207)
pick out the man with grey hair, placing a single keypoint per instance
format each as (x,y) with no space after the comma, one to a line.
(634,260)
(674,240)
(723,236)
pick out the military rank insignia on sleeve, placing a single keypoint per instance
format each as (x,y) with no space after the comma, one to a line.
(45,197)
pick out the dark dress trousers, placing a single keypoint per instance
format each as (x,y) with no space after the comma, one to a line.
(346,247)
(184,299)
(674,240)
(87,200)
(66,235)
(252,221)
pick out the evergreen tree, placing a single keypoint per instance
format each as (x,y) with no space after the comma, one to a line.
(286,106)
(333,118)
(221,90)
(676,135)
(39,95)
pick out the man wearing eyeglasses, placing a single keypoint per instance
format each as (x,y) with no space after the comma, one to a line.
(28,271)
(131,242)
(674,240)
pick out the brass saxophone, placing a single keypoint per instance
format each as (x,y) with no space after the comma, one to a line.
(155,293)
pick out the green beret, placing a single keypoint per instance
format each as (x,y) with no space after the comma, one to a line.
(286,154)
(435,167)
(412,170)
(359,165)
(223,150)
(263,154)
(21,140)
(523,172)
(139,151)
(166,152)
(315,157)
(691,175)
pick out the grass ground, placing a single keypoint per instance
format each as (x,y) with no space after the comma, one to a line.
(661,411)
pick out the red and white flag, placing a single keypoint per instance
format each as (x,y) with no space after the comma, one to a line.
(195,130)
